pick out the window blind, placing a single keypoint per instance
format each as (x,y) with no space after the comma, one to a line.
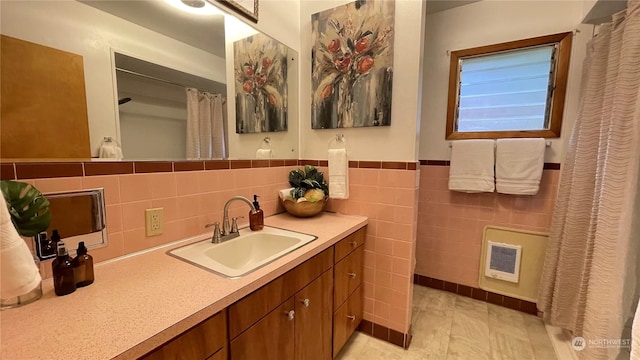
(506,91)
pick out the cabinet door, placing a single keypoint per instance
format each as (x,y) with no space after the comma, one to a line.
(313,319)
(271,338)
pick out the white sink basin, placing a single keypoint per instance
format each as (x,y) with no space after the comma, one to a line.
(241,255)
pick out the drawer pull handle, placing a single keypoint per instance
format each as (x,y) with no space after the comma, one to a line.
(353,243)
(351,317)
(352,275)
(305,302)
(290,314)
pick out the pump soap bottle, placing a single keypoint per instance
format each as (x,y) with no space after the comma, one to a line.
(63,277)
(256,217)
(83,266)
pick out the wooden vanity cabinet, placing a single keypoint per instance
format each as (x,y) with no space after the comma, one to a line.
(306,314)
(206,340)
(298,320)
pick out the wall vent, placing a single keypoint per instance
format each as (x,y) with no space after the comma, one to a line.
(503,261)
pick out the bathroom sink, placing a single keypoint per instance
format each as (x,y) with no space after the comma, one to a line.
(243,254)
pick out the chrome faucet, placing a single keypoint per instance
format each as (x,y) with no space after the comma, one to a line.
(227,229)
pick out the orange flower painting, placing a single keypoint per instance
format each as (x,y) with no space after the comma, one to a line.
(352,65)
(260,67)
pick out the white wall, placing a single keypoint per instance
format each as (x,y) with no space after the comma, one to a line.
(279,19)
(284,144)
(153,131)
(395,142)
(489,22)
(81,29)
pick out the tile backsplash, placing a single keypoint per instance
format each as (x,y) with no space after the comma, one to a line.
(193,194)
(191,199)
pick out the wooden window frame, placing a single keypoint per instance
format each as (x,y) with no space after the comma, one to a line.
(557,100)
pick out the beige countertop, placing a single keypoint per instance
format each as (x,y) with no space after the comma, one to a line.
(139,302)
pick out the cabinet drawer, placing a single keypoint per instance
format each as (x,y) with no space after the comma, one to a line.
(271,338)
(199,342)
(346,320)
(347,276)
(256,305)
(345,246)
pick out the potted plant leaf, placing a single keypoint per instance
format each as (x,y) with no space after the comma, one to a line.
(29,213)
(308,196)
(29,209)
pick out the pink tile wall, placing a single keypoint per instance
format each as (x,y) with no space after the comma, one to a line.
(450,224)
(389,198)
(190,199)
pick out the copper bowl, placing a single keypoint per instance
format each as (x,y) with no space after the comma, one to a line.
(305,208)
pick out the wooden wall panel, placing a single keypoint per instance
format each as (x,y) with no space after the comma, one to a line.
(43,105)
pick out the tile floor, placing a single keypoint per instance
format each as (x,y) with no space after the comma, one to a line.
(447,326)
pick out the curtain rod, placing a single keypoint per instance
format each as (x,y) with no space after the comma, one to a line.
(159,79)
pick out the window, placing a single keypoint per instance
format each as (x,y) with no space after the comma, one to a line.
(513,89)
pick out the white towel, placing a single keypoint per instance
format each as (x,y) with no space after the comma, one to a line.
(471,167)
(519,164)
(285,194)
(263,154)
(19,272)
(110,150)
(338,174)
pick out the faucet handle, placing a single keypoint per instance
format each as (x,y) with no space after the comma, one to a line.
(234,224)
(216,232)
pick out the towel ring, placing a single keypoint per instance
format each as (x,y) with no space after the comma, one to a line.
(338,140)
(109,139)
(266,143)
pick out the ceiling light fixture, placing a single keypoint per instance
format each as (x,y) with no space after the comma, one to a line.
(197,7)
(194,3)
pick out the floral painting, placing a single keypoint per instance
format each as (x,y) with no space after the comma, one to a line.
(352,65)
(260,67)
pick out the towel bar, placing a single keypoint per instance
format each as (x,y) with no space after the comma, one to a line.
(547,144)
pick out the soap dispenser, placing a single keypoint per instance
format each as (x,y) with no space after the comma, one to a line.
(256,217)
(83,266)
(63,275)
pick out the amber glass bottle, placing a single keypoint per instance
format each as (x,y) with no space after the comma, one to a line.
(256,218)
(83,266)
(63,274)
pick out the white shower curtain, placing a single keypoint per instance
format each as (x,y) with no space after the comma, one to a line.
(205,125)
(589,281)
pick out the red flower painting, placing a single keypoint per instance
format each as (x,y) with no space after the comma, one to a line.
(352,65)
(260,66)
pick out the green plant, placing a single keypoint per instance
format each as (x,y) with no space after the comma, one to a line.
(29,209)
(308,179)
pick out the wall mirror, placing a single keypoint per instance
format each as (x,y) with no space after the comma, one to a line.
(174,48)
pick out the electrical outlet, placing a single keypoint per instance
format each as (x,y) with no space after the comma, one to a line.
(154,221)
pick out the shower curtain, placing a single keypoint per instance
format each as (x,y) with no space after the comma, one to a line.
(589,281)
(205,125)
